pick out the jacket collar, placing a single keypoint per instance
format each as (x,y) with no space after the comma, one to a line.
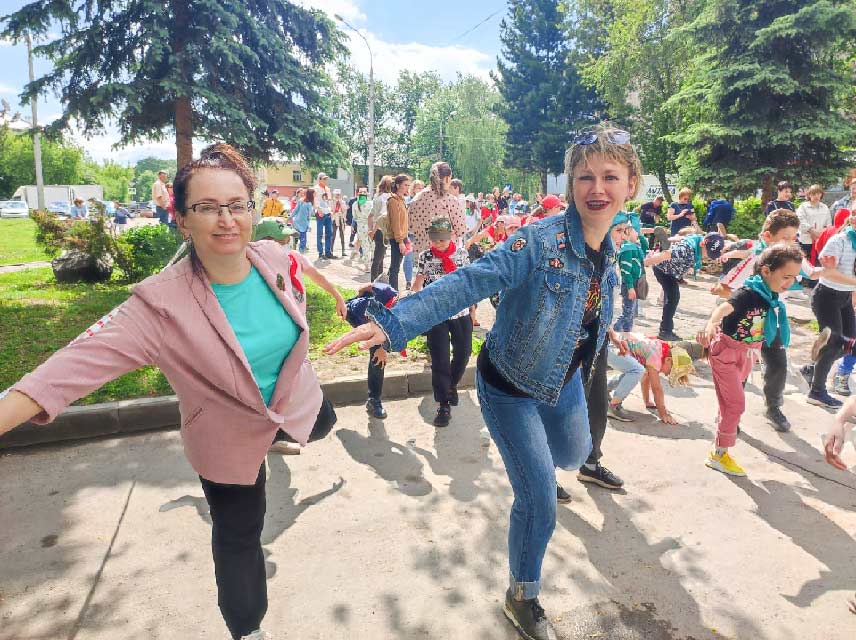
(574,229)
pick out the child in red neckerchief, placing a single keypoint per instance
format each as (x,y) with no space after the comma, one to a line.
(445,257)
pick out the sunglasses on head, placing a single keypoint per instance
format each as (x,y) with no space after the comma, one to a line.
(615,136)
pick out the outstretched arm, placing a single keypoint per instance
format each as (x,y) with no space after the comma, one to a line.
(16,408)
(318,278)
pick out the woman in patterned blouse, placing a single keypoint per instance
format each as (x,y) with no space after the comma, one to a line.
(433,202)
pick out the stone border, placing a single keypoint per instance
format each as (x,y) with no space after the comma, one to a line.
(146,414)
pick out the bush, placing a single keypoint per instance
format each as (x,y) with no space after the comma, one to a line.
(748,218)
(143,251)
(55,235)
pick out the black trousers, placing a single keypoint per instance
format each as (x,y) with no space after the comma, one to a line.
(339,228)
(597,399)
(395,258)
(447,372)
(833,309)
(375,377)
(237,517)
(775,373)
(671,298)
(379,254)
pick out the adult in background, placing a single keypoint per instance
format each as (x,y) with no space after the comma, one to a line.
(681,213)
(379,227)
(160,196)
(433,202)
(814,218)
(407,264)
(784,193)
(78,209)
(518,206)
(848,201)
(399,245)
(272,207)
(537,358)
(232,340)
(720,213)
(337,212)
(649,212)
(323,218)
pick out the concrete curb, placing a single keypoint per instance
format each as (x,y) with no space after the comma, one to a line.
(146,414)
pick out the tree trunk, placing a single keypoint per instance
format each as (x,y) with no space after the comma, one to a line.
(664,185)
(544,181)
(183,117)
(766,190)
(183,130)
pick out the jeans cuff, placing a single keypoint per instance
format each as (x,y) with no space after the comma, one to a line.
(530,589)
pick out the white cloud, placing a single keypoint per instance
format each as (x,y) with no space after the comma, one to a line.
(6,90)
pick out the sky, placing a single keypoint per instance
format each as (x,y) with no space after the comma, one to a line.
(442,36)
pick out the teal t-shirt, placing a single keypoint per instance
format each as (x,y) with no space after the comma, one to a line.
(264,330)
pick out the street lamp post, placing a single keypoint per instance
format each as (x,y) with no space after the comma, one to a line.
(371,159)
(37,143)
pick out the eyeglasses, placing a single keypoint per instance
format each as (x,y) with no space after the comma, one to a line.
(615,136)
(239,208)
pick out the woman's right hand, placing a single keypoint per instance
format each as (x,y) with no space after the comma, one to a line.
(368,335)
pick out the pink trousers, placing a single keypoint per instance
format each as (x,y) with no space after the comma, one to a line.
(731,362)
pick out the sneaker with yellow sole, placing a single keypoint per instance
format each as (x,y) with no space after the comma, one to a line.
(725,464)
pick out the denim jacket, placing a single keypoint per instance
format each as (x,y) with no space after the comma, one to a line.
(544,275)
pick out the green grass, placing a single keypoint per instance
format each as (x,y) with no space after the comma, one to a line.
(17,242)
(39,316)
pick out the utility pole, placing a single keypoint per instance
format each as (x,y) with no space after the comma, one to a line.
(371,158)
(37,143)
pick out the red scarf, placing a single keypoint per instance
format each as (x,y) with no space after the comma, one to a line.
(295,281)
(445,256)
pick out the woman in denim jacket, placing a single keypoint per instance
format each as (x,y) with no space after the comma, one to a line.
(556,277)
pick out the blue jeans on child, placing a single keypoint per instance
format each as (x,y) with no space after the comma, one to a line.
(325,230)
(533,439)
(302,235)
(407,264)
(845,367)
(628,312)
(630,372)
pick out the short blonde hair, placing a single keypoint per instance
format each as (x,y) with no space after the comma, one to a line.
(579,154)
(686,191)
(815,188)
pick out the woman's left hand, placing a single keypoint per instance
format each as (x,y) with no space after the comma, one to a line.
(833,442)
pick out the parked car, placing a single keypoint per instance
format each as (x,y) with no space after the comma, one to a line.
(60,207)
(14,209)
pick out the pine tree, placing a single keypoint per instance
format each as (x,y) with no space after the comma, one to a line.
(544,101)
(248,72)
(768,97)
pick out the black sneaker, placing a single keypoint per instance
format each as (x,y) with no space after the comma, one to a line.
(562,496)
(453,397)
(778,419)
(669,336)
(528,618)
(375,409)
(823,399)
(330,256)
(600,475)
(444,416)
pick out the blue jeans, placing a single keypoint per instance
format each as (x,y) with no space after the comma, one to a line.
(845,367)
(163,215)
(407,264)
(628,312)
(302,240)
(533,439)
(630,370)
(324,226)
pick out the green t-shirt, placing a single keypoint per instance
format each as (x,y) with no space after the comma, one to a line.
(264,330)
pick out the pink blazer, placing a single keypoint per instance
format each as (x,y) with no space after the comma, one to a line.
(174,321)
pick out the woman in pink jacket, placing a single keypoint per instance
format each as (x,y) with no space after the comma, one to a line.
(227,327)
